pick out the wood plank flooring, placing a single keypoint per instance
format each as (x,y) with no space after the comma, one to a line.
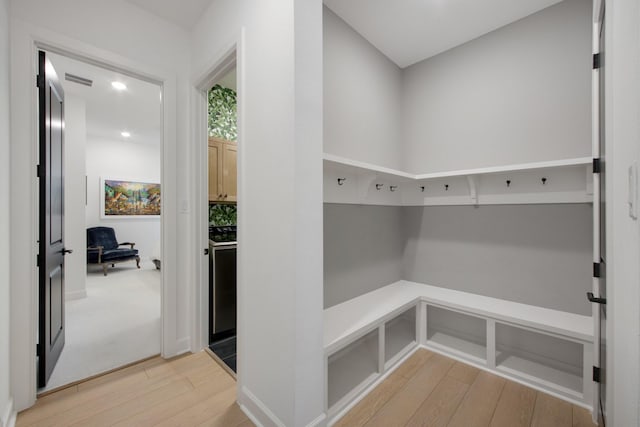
(433,390)
(186,391)
(427,390)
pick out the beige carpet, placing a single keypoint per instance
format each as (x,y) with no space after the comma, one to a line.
(116,324)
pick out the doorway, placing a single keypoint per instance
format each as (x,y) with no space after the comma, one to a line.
(110,298)
(222,190)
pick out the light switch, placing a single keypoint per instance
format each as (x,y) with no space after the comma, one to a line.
(633,191)
(184,206)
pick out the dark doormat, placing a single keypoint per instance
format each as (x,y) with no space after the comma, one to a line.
(226,350)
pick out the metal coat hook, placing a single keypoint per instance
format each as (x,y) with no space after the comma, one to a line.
(341,181)
(393,187)
(379,186)
(446,187)
(544,181)
(508,183)
(422,188)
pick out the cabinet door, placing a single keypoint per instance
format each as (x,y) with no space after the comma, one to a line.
(215,171)
(229,172)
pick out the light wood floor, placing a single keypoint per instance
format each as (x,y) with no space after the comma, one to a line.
(433,390)
(187,391)
(427,390)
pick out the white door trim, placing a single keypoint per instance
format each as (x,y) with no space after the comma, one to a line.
(203,80)
(26,40)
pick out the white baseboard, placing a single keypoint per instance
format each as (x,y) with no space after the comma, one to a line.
(261,416)
(183,345)
(8,415)
(321,421)
(73,295)
(257,411)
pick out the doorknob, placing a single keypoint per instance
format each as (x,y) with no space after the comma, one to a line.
(65,251)
(593,299)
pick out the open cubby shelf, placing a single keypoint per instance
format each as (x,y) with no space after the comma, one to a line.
(546,349)
(363,359)
(352,366)
(399,333)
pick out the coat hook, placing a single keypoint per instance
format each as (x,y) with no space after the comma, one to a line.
(446,187)
(544,181)
(341,181)
(393,187)
(508,183)
(379,186)
(422,188)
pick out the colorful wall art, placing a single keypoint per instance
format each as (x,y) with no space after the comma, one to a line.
(130,199)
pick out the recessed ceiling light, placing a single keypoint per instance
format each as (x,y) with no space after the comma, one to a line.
(125,134)
(119,86)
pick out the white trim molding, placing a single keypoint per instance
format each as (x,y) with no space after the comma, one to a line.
(26,40)
(9,415)
(257,411)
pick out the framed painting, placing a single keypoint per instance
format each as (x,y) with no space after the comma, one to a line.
(129,199)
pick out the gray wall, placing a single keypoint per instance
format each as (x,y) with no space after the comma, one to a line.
(519,94)
(362,97)
(533,254)
(363,248)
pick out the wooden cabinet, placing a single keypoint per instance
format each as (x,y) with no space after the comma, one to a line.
(223,170)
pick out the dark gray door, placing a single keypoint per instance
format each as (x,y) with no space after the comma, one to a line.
(51,220)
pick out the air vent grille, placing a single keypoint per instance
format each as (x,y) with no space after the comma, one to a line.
(77,79)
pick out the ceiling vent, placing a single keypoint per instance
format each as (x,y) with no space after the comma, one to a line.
(77,79)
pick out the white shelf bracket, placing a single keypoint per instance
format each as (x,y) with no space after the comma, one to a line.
(472,180)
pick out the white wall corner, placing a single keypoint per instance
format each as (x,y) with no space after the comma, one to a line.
(257,411)
(8,415)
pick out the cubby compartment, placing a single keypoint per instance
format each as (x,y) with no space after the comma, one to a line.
(352,367)
(539,358)
(400,335)
(459,334)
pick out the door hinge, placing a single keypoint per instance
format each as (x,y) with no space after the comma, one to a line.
(597,269)
(597,165)
(596,374)
(596,61)
(38,260)
(38,349)
(40,81)
(38,171)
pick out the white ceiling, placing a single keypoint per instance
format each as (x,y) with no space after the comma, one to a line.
(109,112)
(408,31)
(184,13)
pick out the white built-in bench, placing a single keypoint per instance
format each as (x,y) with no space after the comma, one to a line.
(367,337)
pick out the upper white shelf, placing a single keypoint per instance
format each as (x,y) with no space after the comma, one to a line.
(557,181)
(331,159)
(509,168)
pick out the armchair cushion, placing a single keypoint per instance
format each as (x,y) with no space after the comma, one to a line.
(111,254)
(102,236)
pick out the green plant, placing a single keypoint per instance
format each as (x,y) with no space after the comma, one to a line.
(223,214)
(223,111)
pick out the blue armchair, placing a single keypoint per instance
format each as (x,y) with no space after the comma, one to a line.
(103,248)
